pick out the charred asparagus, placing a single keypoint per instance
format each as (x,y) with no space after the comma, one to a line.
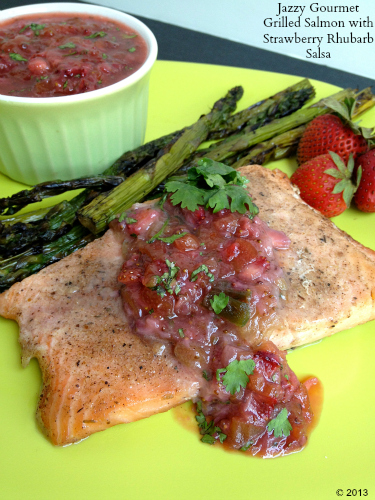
(100,211)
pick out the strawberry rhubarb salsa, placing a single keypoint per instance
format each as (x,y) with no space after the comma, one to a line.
(200,267)
(51,55)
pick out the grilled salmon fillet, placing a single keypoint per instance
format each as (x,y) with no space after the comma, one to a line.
(331,276)
(97,373)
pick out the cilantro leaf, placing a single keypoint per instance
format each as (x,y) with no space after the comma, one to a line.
(280,425)
(201,269)
(69,45)
(222,436)
(166,239)
(171,239)
(218,200)
(97,34)
(208,167)
(188,195)
(164,282)
(240,199)
(236,375)
(212,184)
(208,429)
(16,57)
(128,220)
(159,233)
(247,446)
(219,302)
(34,26)
(207,438)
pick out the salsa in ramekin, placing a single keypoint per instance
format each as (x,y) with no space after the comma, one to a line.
(57,54)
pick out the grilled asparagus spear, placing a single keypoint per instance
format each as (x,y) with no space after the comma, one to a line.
(281,104)
(14,203)
(100,211)
(57,221)
(280,146)
(248,138)
(19,267)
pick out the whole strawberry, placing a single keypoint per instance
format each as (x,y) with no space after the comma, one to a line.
(365,196)
(328,133)
(325,183)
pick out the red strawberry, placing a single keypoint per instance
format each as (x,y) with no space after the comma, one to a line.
(325,183)
(365,196)
(328,133)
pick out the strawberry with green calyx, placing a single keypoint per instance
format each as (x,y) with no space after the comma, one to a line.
(334,133)
(325,183)
(365,195)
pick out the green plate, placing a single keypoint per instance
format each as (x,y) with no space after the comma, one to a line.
(162,457)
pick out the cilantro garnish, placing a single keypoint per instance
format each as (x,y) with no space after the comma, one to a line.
(35,27)
(69,45)
(181,332)
(160,291)
(280,425)
(208,439)
(164,282)
(166,239)
(171,239)
(16,57)
(212,184)
(202,269)
(219,302)
(208,429)
(104,56)
(128,220)
(97,34)
(247,446)
(236,375)
(162,201)
(159,233)
(124,35)
(132,49)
